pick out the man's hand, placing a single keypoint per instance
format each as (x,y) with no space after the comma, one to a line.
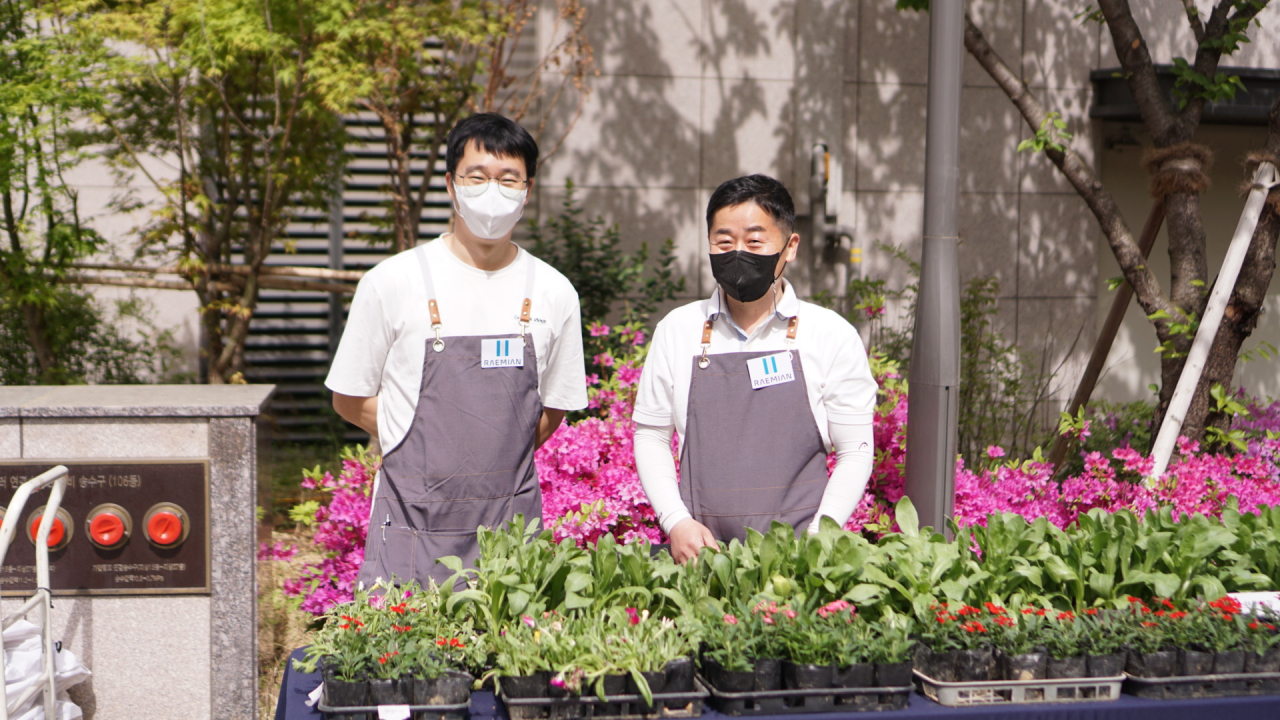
(688,537)
(548,424)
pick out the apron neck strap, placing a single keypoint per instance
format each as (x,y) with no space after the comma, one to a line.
(792,324)
(526,307)
(432,307)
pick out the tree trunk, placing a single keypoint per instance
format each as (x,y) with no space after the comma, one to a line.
(38,336)
(1245,306)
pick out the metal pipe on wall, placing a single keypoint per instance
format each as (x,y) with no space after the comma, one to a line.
(933,409)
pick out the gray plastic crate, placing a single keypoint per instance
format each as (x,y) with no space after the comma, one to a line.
(1008,692)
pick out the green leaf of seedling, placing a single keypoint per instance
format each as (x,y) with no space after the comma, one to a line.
(908,520)
(1115,282)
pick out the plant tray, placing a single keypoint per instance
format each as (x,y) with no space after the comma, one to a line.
(622,707)
(816,700)
(1203,686)
(1003,692)
(420,712)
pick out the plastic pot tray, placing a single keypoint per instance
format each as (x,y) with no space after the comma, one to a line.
(1002,692)
(816,700)
(688,705)
(1203,686)
(457,711)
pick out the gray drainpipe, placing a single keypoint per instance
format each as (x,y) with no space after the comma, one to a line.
(933,408)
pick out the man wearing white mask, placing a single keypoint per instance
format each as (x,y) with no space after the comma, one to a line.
(461,356)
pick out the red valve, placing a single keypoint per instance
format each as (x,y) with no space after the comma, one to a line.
(107,529)
(164,528)
(56,533)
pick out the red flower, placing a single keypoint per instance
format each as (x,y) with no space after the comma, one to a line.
(1091,611)
(993,608)
(1148,623)
(402,628)
(387,657)
(1066,615)
(633,615)
(1177,615)
(1253,625)
(1028,611)
(1166,603)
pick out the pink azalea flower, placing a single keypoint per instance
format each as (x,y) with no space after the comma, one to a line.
(995,451)
(598,329)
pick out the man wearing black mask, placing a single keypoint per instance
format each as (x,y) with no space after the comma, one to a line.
(759,386)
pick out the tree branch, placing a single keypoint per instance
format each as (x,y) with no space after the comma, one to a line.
(1140,73)
(1193,19)
(1073,167)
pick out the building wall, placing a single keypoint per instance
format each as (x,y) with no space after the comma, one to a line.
(694,92)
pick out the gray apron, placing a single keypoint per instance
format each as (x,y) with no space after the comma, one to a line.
(750,456)
(466,461)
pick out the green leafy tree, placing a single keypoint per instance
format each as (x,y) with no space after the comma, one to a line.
(42,227)
(1178,166)
(213,104)
(419,65)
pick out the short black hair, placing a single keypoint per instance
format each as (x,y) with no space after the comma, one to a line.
(769,194)
(495,134)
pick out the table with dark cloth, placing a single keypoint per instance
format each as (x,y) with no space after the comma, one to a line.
(296,686)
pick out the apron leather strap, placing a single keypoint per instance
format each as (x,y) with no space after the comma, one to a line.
(792,324)
(526,307)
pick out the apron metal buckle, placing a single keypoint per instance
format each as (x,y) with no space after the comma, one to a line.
(524,327)
(704,361)
(438,345)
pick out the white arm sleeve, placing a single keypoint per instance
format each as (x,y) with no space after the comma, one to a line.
(855,456)
(658,474)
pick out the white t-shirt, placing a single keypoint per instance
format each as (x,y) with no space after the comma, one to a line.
(383,347)
(837,376)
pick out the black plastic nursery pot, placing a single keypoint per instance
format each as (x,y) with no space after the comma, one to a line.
(1072,667)
(977,664)
(679,678)
(613,685)
(397,691)
(526,686)
(768,674)
(805,676)
(1268,661)
(1023,666)
(341,693)
(893,674)
(857,675)
(656,680)
(938,665)
(736,681)
(1228,661)
(450,688)
(1104,665)
(568,709)
(1194,662)
(1153,664)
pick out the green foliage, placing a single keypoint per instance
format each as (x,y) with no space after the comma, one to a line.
(92,346)
(589,253)
(917,5)
(1002,394)
(221,91)
(1111,425)
(1051,134)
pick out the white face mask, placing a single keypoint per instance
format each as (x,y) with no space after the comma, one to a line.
(490,211)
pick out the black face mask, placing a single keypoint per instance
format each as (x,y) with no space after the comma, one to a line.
(744,276)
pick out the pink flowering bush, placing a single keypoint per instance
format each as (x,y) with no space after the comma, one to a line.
(587,469)
(340,528)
